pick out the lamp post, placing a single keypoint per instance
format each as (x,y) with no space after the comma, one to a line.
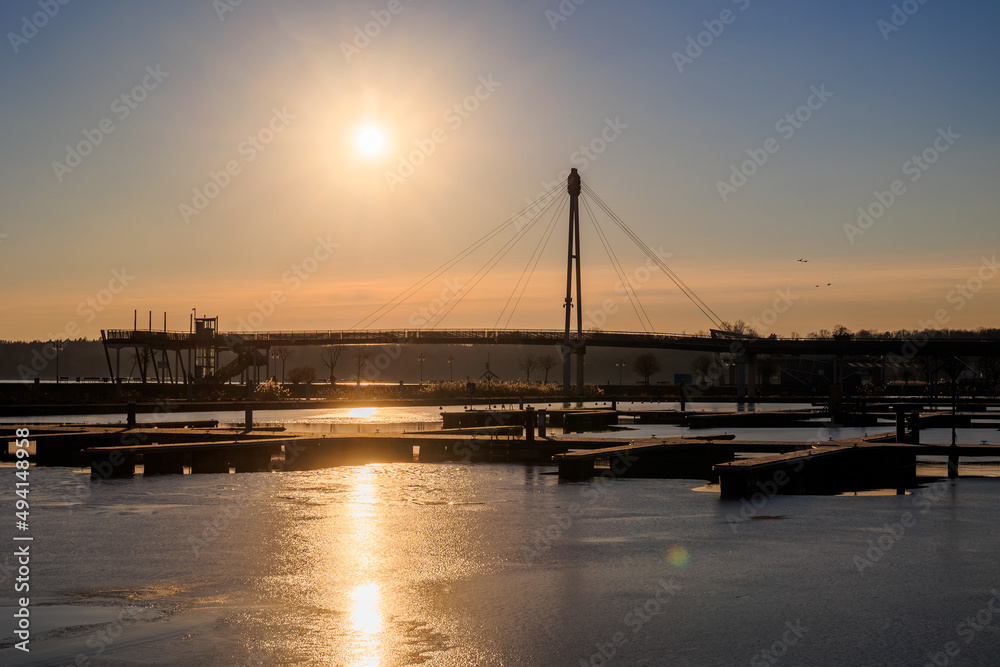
(451,369)
(620,364)
(190,368)
(57,346)
(421,358)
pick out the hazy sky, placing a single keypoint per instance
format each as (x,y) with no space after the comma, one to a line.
(116,116)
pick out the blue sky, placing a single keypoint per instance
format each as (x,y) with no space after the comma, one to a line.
(313,234)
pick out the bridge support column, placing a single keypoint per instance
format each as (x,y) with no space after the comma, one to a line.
(574,187)
(567,371)
(741,379)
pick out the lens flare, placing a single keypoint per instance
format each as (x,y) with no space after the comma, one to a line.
(678,557)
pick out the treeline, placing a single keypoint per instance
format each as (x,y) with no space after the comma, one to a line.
(21,360)
(742,328)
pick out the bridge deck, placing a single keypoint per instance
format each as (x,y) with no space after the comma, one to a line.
(175,340)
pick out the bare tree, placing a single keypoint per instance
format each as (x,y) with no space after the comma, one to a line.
(330,356)
(546,363)
(361,356)
(283,353)
(990,369)
(302,374)
(703,365)
(141,358)
(646,365)
(740,328)
(527,363)
(906,373)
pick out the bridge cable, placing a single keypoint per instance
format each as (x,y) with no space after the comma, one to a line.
(687,291)
(478,276)
(393,303)
(681,285)
(532,264)
(637,306)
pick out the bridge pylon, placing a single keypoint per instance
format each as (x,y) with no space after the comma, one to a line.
(573,344)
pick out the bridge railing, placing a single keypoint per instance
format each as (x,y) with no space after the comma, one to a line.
(383,335)
(393,336)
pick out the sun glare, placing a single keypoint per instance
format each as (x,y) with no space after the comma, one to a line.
(370,140)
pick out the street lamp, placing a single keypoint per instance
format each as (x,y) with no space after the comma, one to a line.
(190,368)
(421,358)
(57,346)
(620,364)
(451,369)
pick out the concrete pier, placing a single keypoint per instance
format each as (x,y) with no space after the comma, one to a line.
(591,420)
(210,462)
(113,464)
(828,469)
(162,463)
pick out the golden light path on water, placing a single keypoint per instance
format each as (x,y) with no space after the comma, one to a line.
(362,531)
(361,413)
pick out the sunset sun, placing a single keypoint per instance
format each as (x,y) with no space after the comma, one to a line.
(370,140)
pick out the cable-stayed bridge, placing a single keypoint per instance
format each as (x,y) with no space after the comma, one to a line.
(205,342)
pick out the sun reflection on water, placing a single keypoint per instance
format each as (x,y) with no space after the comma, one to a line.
(365,600)
(366,618)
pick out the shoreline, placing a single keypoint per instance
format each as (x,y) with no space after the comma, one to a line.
(10,411)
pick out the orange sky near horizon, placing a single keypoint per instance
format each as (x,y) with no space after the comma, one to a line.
(219,160)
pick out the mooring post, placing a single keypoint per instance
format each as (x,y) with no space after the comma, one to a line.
(131,414)
(541,423)
(529,425)
(900,423)
(953,461)
(248,419)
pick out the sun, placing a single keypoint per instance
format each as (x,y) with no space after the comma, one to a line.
(370,140)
